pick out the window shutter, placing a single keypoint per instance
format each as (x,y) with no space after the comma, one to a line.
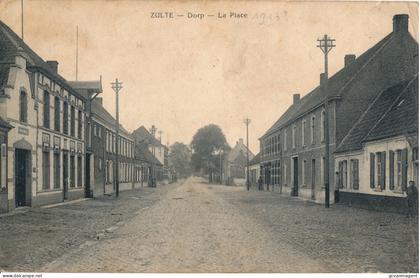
(356,174)
(391,170)
(372,170)
(383,172)
(404,169)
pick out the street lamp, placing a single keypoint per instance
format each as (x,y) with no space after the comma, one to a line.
(247,122)
(117,86)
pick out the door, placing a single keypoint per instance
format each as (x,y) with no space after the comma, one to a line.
(65,175)
(295,191)
(21,177)
(313,180)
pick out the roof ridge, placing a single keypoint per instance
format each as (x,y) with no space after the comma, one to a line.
(390,107)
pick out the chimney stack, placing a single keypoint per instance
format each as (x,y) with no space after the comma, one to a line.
(322,79)
(296,98)
(53,66)
(348,59)
(400,23)
(241,141)
(99,100)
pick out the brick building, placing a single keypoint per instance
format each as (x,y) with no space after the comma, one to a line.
(235,164)
(293,149)
(46,150)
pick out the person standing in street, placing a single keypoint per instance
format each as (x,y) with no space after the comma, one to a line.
(412,199)
(260,183)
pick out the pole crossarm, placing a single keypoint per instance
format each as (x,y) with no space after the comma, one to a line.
(326,44)
(116,86)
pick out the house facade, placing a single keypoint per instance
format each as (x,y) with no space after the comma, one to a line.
(235,164)
(254,171)
(293,150)
(379,156)
(46,146)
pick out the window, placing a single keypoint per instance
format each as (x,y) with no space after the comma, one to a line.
(23,107)
(322,125)
(322,170)
(46,109)
(342,174)
(79,124)
(294,136)
(72,171)
(285,140)
(303,132)
(354,173)
(285,174)
(100,164)
(56,170)
(65,118)
(46,170)
(380,170)
(303,171)
(391,170)
(79,171)
(401,170)
(72,121)
(313,129)
(56,114)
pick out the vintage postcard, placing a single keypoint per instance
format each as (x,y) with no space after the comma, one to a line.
(208,137)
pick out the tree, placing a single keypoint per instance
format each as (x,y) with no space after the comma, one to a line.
(180,159)
(206,146)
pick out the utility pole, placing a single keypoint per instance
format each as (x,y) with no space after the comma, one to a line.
(153,130)
(117,86)
(247,122)
(326,44)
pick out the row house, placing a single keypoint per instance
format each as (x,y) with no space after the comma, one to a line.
(146,140)
(45,148)
(293,153)
(379,156)
(103,134)
(235,164)
(254,170)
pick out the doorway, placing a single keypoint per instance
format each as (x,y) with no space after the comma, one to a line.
(295,190)
(22,177)
(65,175)
(88,193)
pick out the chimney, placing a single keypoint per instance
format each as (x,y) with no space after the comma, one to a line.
(241,141)
(296,98)
(98,100)
(53,66)
(322,79)
(400,23)
(348,59)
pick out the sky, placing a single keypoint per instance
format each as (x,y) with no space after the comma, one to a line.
(185,72)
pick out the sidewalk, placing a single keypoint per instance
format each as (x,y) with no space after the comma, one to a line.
(39,235)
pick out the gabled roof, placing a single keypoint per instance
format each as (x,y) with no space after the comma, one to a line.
(11,44)
(402,117)
(335,85)
(141,134)
(142,153)
(256,160)
(237,150)
(99,111)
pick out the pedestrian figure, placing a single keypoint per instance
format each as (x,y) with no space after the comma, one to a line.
(412,199)
(260,183)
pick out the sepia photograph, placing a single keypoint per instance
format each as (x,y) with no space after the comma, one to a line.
(209,137)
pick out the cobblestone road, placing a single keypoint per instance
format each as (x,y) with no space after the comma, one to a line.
(196,227)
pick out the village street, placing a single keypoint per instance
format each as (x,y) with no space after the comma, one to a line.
(191,226)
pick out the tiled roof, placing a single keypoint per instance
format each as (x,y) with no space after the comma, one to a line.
(402,117)
(335,84)
(142,134)
(390,60)
(256,160)
(353,140)
(99,111)
(237,149)
(11,44)
(142,153)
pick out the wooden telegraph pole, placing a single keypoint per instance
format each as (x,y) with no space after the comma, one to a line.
(117,86)
(326,44)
